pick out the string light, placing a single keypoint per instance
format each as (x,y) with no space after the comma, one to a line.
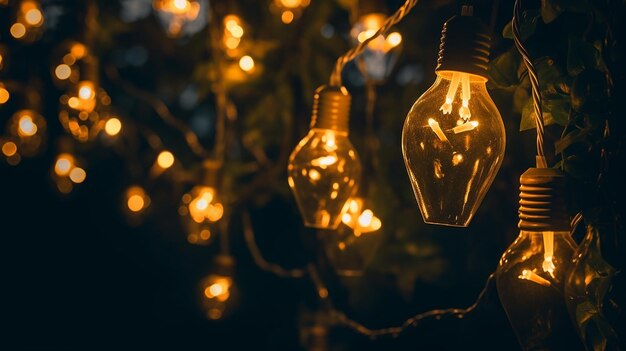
(246,63)
(113,126)
(218,290)
(10,151)
(28,129)
(5,95)
(233,31)
(176,14)
(200,210)
(532,271)
(452,146)
(67,172)
(84,110)
(29,21)
(324,169)
(70,61)
(289,9)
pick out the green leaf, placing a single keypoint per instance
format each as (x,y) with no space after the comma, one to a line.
(549,11)
(571,138)
(528,24)
(581,55)
(502,70)
(554,111)
(558,108)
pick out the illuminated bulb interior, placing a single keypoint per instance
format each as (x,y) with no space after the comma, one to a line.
(434,125)
(534,277)
(465,127)
(548,253)
(463,79)
(359,220)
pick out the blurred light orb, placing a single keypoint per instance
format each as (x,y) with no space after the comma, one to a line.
(165,159)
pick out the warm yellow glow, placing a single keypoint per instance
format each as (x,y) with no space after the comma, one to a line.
(548,253)
(9,149)
(4,94)
(78,175)
(86,91)
(359,220)
(365,219)
(287,17)
(204,205)
(324,161)
(26,126)
(33,17)
(63,165)
(434,125)
(78,50)
(464,80)
(113,126)
(291,4)
(246,63)
(232,43)
(63,71)
(534,277)
(231,21)
(165,159)
(135,203)
(465,127)
(394,39)
(18,30)
(366,34)
(219,288)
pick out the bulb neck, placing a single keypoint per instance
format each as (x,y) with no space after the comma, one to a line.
(542,201)
(465,43)
(331,108)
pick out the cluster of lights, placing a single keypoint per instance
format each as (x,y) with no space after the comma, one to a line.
(218,289)
(176,14)
(360,220)
(200,210)
(136,202)
(233,32)
(84,110)
(69,62)
(26,136)
(29,21)
(366,27)
(67,173)
(290,9)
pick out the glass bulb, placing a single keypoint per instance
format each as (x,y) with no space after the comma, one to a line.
(453,143)
(378,59)
(324,171)
(530,280)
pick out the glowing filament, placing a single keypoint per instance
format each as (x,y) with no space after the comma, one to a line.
(465,127)
(535,278)
(324,161)
(359,220)
(434,125)
(464,80)
(548,252)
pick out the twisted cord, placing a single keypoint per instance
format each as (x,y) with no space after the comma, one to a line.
(257,256)
(534,82)
(335,77)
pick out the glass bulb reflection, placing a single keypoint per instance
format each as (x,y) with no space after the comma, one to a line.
(324,172)
(530,280)
(453,143)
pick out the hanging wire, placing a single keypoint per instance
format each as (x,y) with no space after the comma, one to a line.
(257,256)
(534,83)
(335,77)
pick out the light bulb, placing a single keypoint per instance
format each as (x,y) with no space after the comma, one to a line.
(5,95)
(135,203)
(352,246)
(453,138)
(113,126)
(175,15)
(84,110)
(200,212)
(10,150)
(532,271)
(29,131)
(217,291)
(377,61)
(289,9)
(324,169)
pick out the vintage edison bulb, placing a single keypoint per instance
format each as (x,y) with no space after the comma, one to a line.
(84,110)
(453,138)
(379,57)
(217,291)
(324,169)
(532,272)
(200,211)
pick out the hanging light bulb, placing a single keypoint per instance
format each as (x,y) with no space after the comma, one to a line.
(532,272)
(453,138)
(70,61)
(29,21)
(324,169)
(218,292)
(67,172)
(84,110)
(352,246)
(378,59)
(28,129)
(176,14)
